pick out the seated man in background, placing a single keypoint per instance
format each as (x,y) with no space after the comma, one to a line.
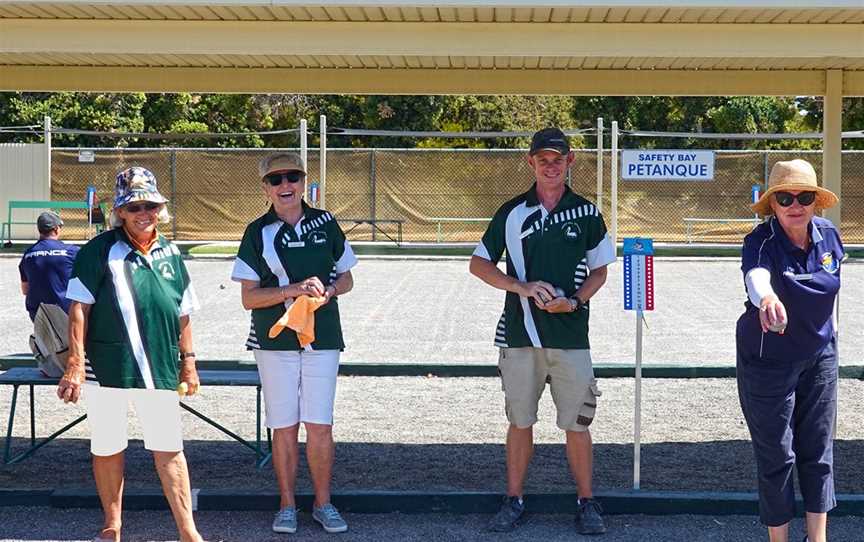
(45,270)
(46,266)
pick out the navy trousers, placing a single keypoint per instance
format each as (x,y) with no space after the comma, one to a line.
(790,409)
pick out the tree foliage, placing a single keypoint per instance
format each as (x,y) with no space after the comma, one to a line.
(187,113)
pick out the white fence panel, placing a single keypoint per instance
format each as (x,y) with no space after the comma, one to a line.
(25,174)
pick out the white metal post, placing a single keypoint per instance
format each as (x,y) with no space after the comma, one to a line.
(47,139)
(614,180)
(600,164)
(832,142)
(322,163)
(637,420)
(304,144)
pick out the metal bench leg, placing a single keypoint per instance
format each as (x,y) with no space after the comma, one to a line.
(27,453)
(32,418)
(8,459)
(222,428)
(264,457)
(8,445)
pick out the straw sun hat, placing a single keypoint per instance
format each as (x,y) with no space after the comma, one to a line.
(797,176)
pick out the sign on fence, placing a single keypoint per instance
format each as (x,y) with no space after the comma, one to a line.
(667,165)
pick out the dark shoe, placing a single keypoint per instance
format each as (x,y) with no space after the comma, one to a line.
(589,518)
(509,516)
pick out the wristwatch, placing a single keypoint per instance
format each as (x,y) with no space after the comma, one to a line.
(575,303)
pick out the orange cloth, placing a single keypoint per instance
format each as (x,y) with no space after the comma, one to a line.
(300,317)
(143,248)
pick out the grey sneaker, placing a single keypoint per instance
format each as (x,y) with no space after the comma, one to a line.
(589,519)
(509,516)
(329,518)
(285,520)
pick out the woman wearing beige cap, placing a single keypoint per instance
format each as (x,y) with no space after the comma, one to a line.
(293,251)
(786,348)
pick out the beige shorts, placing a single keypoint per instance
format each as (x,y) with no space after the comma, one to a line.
(524,373)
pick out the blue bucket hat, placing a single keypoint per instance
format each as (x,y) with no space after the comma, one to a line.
(136,184)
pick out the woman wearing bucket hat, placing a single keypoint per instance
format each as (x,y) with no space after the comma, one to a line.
(130,313)
(296,256)
(786,348)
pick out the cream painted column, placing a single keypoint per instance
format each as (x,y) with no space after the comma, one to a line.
(832,142)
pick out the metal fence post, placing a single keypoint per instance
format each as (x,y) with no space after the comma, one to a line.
(373,177)
(173,162)
(764,170)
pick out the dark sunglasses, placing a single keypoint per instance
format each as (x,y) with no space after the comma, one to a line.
(136,208)
(275,179)
(785,199)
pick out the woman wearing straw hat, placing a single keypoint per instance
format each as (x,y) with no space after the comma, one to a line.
(131,300)
(786,347)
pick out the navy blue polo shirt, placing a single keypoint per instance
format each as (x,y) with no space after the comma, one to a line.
(46,267)
(806,282)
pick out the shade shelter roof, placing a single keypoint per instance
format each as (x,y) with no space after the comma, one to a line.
(616,47)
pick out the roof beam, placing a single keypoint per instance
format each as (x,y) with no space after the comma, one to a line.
(421,81)
(696,4)
(430,39)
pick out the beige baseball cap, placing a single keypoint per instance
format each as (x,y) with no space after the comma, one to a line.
(283,161)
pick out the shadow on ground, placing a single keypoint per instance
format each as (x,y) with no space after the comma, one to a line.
(704,466)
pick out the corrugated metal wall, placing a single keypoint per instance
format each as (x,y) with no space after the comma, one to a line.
(25,174)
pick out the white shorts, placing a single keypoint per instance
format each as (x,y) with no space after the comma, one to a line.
(107,415)
(298,386)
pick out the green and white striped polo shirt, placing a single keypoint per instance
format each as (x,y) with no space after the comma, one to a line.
(136,304)
(273,253)
(560,247)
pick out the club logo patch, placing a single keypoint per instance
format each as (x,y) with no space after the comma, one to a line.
(317,237)
(829,263)
(571,230)
(166,270)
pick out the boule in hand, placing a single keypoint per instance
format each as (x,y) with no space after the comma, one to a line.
(779,326)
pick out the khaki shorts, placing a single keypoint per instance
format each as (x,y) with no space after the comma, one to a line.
(524,373)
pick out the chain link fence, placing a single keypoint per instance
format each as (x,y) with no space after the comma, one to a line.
(440,194)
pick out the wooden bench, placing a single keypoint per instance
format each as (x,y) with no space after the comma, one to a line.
(690,222)
(6,227)
(32,377)
(374,222)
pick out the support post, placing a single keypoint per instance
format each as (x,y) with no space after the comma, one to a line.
(304,144)
(637,419)
(373,181)
(614,179)
(322,162)
(47,139)
(600,163)
(173,161)
(832,142)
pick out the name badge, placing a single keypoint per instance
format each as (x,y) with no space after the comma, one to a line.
(296,244)
(799,276)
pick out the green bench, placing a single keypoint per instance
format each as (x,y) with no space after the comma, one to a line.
(32,377)
(6,227)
